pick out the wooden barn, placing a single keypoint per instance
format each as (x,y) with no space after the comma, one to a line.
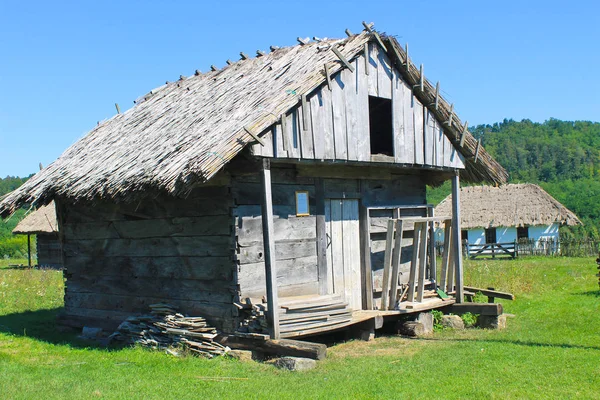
(265,195)
(509,214)
(42,223)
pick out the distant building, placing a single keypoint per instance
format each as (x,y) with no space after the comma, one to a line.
(43,224)
(508,213)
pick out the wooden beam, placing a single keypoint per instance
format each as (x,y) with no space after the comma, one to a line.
(269,248)
(464,133)
(432,257)
(456,242)
(255,137)
(342,58)
(281,347)
(414,263)
(365,240)
(491,293)
(29,250)
(477,150)
(348,33)
(446,253)
(396,255)
(451,115)
(322,269)
(475,308)
(422,262)
(286,145)
(117,107)
(387,263)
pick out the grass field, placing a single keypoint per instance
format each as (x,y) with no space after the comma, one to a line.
(551,349)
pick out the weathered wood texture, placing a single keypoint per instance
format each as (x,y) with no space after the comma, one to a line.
(49,251)
(119,258)
(337,120)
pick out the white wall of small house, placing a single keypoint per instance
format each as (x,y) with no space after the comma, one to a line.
(508,234)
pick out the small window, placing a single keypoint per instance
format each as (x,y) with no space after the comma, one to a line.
(464,235)
(522,232)
(302,204)
(381,130)
(490,235)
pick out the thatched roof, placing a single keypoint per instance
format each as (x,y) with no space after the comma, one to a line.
(523,204)
(42,220)
(184,132)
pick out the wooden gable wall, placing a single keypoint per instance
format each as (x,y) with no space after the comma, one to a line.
(334,123)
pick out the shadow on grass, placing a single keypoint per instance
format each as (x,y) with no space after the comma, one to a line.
(591,293)
(42,325)
(518,343)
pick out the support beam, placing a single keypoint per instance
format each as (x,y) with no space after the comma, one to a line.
(29,250)
(456,237)
(269,244)
(321,238)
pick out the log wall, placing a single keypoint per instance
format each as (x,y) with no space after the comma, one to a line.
(119,258)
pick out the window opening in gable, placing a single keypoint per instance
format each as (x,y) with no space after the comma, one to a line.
(381,130)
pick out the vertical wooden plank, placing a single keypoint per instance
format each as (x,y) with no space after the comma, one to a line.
(409,122)
(400,152)
(339,116)
(446,253)
(306,139)
(365,246)
(451,269)
(292,135)
(396,255)
(269,248)
(328,229)
(414,262)
(387,263)
(371,73)
(352,112)
(429,137)
(439,143)
(458,262)
(322,269)
(351,253)
(419,131)
(422,261)
(278,146)
(363,144)
(432,267)
(322,124)
(337,247)
(384,74)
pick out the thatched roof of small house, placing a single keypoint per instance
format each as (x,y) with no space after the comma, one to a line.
(184,132)
(523,204)
(42,220)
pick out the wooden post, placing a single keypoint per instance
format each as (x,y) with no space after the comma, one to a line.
(456,238)
(29,249)
(446,254)
(321,238)
(269,247)
(396,256)
(387,263)
(365,238)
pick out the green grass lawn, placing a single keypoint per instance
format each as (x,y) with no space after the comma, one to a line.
(551,349)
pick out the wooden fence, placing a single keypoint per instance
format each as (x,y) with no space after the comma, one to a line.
(548,247)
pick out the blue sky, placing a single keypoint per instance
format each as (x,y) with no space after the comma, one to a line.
(65,64)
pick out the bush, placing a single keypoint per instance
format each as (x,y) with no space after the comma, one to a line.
(14,247)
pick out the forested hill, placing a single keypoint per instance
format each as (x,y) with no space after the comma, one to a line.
(561,156)
(10,183)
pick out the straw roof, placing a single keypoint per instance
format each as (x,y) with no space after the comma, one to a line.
(42,220)
(184,132)
(523,204)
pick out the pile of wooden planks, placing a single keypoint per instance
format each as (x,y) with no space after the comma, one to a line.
(165,329)
(301,317)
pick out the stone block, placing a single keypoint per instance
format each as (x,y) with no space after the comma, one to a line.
(453,322)
(426,319)
(492,322)
(242,355)
(295,363)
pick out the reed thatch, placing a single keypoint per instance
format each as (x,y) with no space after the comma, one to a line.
(184,132)
(42,220)
(523,204)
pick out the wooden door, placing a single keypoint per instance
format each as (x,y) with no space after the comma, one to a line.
(343,250)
